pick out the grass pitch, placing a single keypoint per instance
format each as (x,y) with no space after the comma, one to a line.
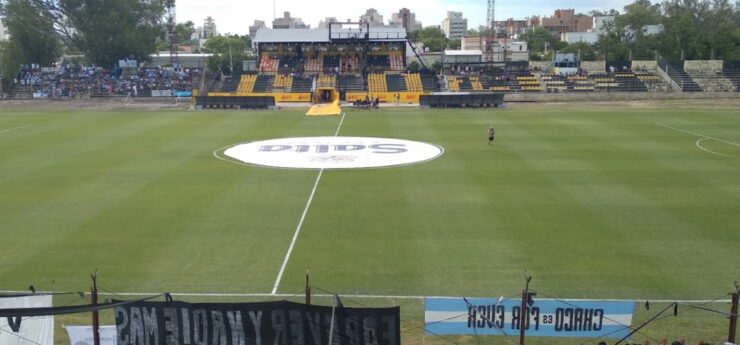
(594,201)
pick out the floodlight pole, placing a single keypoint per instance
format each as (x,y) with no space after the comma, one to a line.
(94,298)
(522,315)
(733,315)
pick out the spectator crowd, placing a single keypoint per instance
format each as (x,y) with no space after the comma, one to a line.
(65,81)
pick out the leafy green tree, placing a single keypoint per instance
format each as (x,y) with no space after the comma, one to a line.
(540,39)
(31,37)
(103,30)
(434,39)
(588,52)
(227,51)
(184,32)
(106,31)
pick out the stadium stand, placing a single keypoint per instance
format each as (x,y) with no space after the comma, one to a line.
(413,82)
(264,83)
(430,83)
(327,80)
(282,82)
(302,84)
(628,82)
(71,82)
(312,64)
(395,82)
(377,83)
(246,85)
(684,82)
(350,83)
(268,63)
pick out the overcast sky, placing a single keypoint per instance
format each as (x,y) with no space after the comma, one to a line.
(236,16)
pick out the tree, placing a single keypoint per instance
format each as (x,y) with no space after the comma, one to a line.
(587,51)
(540,39)
(433,38)
(31,37)
(103,30)
(106,31)
(227,51)
(184,32)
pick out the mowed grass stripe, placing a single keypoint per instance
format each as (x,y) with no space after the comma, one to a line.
(136,159)
(625,207)
(42,153)
(176,152)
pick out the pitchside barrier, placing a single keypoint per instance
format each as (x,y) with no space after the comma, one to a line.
(235,102)
(462,100)
(279,96)
(384,97)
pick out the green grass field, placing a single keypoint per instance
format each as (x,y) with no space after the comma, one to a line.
(595,201)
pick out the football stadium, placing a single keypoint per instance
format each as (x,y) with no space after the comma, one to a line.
(328,192)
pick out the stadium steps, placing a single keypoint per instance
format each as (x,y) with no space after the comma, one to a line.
(681,78)
(264,83)
(246,84)
(395,82)
(527,83)
(327,80)
(628,82)
(653,82)
(712,81)
(430,83)
(302,84)
(453,83)
(377,83)
(465,84)
(733,75)
(413,82)
(282,83)
(229,84)
(350,83)
(476,84)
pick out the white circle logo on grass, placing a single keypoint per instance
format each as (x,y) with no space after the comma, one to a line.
(333,152)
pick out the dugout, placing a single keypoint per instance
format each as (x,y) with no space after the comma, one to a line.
(235,102)
(462,100)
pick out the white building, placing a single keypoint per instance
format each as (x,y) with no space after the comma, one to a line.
(455,26)
(372,17)
(406,19)
(209,28)
(324,24)
(602,23)
(575,37)
(3,32)
(287,22)
(258,24)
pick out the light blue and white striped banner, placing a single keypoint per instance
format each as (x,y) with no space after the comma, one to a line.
(546,318)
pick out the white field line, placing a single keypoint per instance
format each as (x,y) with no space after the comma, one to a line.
(300,223)
(358,296)
(698,144)
(15,128)
(697,134)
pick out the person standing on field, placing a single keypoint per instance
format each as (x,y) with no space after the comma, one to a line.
(491,135)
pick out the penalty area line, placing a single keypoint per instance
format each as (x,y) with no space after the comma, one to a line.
(697,134)
(300,223)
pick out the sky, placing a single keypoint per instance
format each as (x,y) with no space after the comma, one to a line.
(236,16)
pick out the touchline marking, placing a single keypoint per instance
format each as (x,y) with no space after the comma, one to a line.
(697,134)
(300,223)
(698,144)
(15,128)
(196,294)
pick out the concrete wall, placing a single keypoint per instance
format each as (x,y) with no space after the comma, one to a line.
(702,65)
(594,66)
(615,96)
(539,64)
(644,64)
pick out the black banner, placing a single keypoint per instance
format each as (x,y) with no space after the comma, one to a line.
(265,323)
